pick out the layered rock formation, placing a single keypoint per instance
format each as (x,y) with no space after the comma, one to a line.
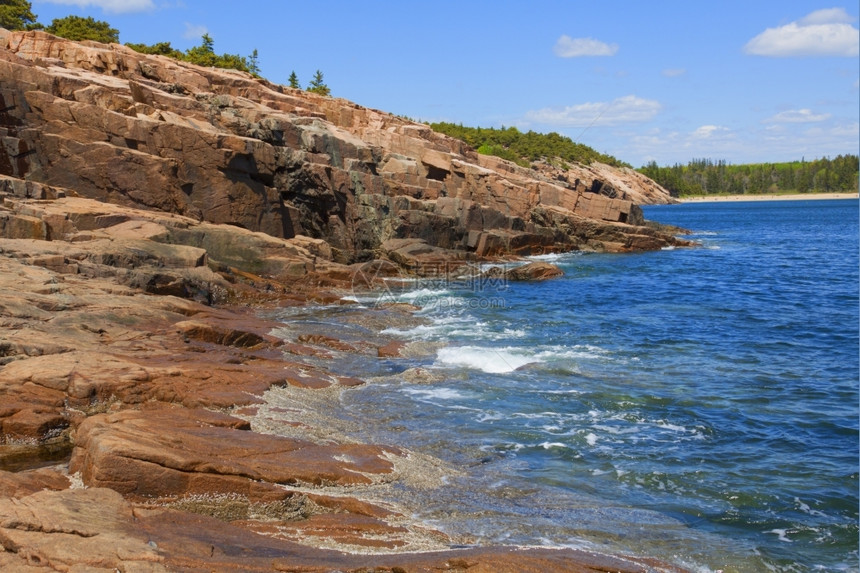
(223,147)
(148,208)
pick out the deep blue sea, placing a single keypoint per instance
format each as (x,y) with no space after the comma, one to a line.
(699,405)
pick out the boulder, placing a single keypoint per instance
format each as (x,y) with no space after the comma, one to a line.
(167,452)
(24,483)
(74,529)
(534,271)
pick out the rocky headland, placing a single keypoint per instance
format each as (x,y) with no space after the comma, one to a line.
(151,210)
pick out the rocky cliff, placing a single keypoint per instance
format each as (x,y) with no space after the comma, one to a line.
(146,203)
(107,123)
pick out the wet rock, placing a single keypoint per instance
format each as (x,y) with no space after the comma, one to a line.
(180,451)
(533,271)
(24,483)
(327,341)
(392,349)
(95,529)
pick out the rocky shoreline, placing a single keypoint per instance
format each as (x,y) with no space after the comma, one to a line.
(152,212)
(136,424)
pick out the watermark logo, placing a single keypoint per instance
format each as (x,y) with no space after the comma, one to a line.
(379,281)
(383,283)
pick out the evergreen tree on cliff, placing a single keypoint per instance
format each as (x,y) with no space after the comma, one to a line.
(17,15)
(204,54)
(294,81)
(77,28)
(159,49)
(318,86)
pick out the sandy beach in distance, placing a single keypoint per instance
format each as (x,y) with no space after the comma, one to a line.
(771,197)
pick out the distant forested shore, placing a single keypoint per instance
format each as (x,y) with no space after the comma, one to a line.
(706,177)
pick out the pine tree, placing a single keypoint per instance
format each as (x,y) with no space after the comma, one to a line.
(294,81)
(253,63)
(77,28)
(160,49)
(17,15)
(318,86)
(204,54)
(208,43)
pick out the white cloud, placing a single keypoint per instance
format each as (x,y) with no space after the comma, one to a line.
(627,109)
(798,116)
(708,131)
(194,31)
(567,47)
(848,130)
(821,33)
(826,16)
(674,73)
(114,6)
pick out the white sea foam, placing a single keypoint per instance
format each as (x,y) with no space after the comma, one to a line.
(614,430)
(454,327)
(555,257)
(362,300)
(479,330)
(421,294)
(490,416)
(508,359)
(548,445)
(561,392)
(551,257)
(806,509)
(513,333)
(591,439)
(503,447)
(666,425)
(490,360)
(534,415)
(441,327)
(435,393)
(782,534)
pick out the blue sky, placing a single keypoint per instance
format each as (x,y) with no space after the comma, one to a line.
(744,81)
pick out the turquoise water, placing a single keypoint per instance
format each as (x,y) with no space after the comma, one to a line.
(697,405)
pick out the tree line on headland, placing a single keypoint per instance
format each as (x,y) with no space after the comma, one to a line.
(698,177)
(523,148)
(707,177)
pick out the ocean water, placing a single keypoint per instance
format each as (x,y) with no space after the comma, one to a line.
(698,405)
